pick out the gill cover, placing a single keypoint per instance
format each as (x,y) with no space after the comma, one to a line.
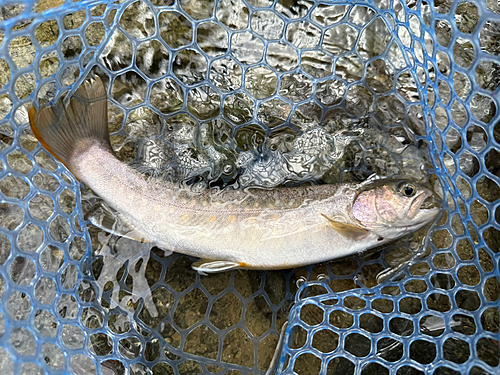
(393,207)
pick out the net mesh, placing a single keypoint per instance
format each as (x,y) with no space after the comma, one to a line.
(225,91)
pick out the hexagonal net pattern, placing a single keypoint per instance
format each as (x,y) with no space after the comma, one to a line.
(244,93)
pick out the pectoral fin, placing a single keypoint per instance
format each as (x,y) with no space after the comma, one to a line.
(347,230)
(213,266)
(113,222)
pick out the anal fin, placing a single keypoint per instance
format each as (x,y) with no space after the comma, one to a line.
(111,221)
(205,266)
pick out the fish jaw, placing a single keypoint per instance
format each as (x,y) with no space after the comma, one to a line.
(397,230)
(418,216)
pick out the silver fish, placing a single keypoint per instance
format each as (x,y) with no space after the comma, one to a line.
(255,228)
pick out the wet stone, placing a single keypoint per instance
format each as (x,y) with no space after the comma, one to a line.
(199,9)
(23,341)
(118,52)
(203,341)
(189,367)
(389,349)
(463,324)
(468,300)
(456,350)
(203,102)
(190,309)
(226,74)
(212,39)
(92,318)
(401,326)
(119,323)
(30,238)
(357,344)
(72,337)
(170,335)
(317,64)
(354,303)
(72,47)
(46,182)
(247,48)
(14,187)
(374,367)
(45,290)
(22,51)
(423,351)
(442,281)
(19,306)
(490,319)
(5,248)
(341,319)
(488,352)
(226,311)
(260,82)
(267,24)
(100,344)
(295,87)
(371,323)
(29,368)
(233,13)
(51,258)
(138,20)
(190,67)
(340,365)
(330,92)
(152,350)
(112,366)
(162,368)
(258,316)
(67,307)
(237,348)
(215,283)
(307,363)
(410,305)
(94,33)
(22,271)
(311,314)
(130,347)
(266,350)
(166,96)
(11,215)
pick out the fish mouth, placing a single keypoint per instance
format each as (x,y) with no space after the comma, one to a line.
(430,203)
(424,209)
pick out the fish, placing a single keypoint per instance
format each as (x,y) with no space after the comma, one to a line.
(254,228)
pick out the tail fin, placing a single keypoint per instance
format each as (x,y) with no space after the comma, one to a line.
(63,130)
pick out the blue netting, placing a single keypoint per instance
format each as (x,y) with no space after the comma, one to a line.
(341,89)
(418,324)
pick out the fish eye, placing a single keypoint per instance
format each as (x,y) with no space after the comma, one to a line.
(408,190)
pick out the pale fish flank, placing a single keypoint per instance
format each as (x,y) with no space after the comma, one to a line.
(255,228)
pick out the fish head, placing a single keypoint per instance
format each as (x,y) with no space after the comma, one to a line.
(395,207)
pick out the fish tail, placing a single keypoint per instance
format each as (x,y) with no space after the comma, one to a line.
(68,130)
